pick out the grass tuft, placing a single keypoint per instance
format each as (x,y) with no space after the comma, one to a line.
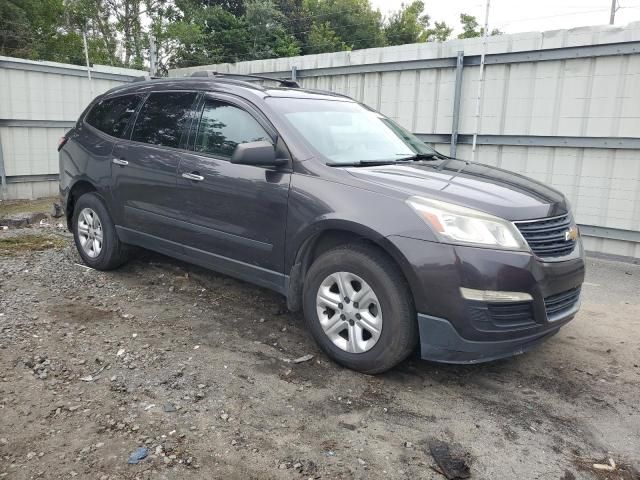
(41,205)
(30,242)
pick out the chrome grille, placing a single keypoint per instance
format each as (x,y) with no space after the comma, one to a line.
(546,236)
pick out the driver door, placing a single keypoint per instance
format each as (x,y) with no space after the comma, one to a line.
(234,216)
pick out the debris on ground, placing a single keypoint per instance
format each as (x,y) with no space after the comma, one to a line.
(609,467)
(56,210)
(138,455)
(304,358)
(22,219)
(453,466)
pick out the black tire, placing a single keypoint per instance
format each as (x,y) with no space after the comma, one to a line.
(113,252)
(399,334)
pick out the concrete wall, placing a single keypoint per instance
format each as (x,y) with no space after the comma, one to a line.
(560,106)
(39,102)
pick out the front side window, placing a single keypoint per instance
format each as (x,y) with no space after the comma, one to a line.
(223,126)
(344,132)
(162,118)
(112,116)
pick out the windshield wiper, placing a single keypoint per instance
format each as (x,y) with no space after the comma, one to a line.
(423,156)
(406,159)
(363,163)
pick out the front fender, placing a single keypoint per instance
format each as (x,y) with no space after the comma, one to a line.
(330,223)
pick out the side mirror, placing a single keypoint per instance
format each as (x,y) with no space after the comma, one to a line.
(260,153)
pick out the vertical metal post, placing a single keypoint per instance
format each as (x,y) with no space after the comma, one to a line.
(614,9)
(86,56)
(3,175)
(153,63)
(294,73)
(456,105)
(480,82)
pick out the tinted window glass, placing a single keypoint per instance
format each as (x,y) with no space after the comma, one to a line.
(162,118)
(112,116)
(223,126)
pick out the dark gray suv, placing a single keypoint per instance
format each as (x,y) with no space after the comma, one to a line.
(384,243)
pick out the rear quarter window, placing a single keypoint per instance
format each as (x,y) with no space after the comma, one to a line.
(112,116)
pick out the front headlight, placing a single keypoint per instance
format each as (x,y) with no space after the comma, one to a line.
(466,226)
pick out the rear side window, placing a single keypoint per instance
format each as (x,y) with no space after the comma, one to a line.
(162,118)
(223,126)
(112,116)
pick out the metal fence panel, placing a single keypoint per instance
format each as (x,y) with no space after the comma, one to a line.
(39,102)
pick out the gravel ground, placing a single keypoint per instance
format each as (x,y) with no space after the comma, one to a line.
(199,368)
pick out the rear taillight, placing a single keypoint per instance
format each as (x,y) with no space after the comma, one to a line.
(61,142)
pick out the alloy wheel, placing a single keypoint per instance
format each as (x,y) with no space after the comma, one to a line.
(349,312)
(90,232)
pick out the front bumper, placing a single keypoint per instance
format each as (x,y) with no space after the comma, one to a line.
(440,342)
(455,330)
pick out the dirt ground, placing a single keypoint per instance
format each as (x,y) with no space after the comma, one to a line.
(198,368)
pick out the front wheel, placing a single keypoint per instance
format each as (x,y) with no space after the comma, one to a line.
(358,308)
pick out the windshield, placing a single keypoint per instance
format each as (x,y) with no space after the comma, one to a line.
(347,132)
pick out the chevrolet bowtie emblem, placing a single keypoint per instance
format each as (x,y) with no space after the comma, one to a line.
(571,234)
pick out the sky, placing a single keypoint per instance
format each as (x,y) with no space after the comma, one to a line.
(512,16)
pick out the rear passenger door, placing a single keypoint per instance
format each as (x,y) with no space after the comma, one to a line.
(89,153)
(144,168)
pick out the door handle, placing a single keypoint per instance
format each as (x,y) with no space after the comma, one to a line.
(193,176)
(119,161)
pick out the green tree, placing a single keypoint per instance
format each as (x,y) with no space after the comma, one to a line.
(411,25)
(127,19)
(90,17)
(440,32)
(235,7)
(206,35)
(34,29)
(167,30)
(322,38)
(296,20)
(471,28)
(269,37)
(118,30)
(407,25)
(354,23)
(16,39)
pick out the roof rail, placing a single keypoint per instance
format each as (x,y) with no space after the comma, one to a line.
(144,78)
(211,74)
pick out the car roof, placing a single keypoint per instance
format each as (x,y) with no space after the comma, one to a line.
(221,84)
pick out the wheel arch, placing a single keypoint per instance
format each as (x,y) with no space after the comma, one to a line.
(79,188)
(327,235)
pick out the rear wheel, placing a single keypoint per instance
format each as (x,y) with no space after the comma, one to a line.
(358,308)
(95,234)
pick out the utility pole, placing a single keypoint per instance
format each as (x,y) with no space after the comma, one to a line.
(480,81)
(153,59)
(86,56)
(614,9)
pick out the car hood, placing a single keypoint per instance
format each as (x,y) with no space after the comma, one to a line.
(490,189)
